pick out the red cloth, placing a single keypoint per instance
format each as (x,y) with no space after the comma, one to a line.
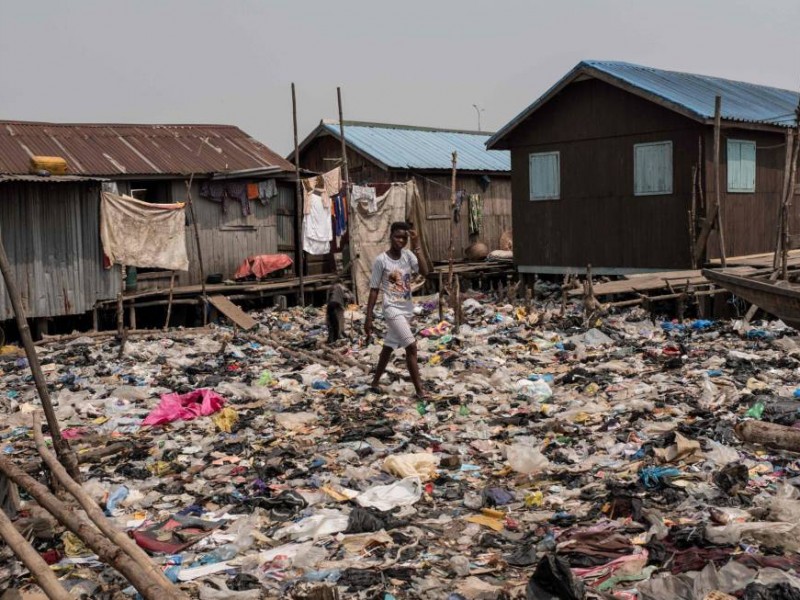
(262,265)
(252,191)
(175,407)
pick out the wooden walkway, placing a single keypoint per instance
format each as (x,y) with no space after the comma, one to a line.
(683,280)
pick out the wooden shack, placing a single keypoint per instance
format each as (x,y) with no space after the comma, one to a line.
(379,154)
(604,163)
(155,163)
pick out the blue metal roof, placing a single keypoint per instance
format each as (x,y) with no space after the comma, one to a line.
(685,92)
(406,147)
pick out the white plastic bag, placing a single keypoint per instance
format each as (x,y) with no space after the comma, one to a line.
(386,497)
(526,459)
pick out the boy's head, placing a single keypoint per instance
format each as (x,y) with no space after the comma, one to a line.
(398,234)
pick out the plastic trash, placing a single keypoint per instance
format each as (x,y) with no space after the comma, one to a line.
(420,464)
(323,522)
(386,497)
(526,459)
(553,580)
(536,391)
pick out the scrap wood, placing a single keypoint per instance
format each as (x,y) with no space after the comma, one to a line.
(179,332)
(235,314)
(77,523)
(32,560)
(769,434)
(94,512)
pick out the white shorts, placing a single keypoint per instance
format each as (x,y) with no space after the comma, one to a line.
(398,333)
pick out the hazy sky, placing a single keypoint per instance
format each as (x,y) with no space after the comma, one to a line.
(410,61)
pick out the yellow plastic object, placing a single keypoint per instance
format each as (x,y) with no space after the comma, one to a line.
(54,164)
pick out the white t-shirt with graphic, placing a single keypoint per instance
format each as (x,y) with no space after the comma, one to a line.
(393,278)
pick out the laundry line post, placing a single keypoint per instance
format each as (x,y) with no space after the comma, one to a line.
(347,187)
(452,223)
(298,209)
(60,445)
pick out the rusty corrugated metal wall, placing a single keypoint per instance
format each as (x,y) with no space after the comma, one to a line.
(51,234)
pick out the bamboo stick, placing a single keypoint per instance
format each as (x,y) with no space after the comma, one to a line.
(108,552)
(95,514)
(39,569)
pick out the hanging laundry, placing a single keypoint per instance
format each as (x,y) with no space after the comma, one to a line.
(460,197)
(364,193)
(475,214)
(325,185)
(218,191)
(339,214)
(267,190)
(252,191)
(317,227)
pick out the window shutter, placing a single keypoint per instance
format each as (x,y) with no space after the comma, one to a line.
(545,178)
(652,169)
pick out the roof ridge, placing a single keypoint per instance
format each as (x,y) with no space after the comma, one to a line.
(52,124)
(401,126)
(595,63)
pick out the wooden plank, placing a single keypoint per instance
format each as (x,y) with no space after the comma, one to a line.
(233,312)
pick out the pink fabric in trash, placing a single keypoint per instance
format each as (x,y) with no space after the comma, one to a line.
(185,407)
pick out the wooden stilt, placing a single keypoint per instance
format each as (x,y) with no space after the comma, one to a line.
(169,301)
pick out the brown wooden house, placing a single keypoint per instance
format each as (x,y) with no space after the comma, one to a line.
(379,154)
(603,169)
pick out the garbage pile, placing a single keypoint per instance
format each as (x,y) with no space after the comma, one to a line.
(555,459)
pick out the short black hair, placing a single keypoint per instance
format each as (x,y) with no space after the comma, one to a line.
(399,226)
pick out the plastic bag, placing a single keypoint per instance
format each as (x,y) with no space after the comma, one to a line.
(325,522)
(295,421)
(386,497)
(536,391)
(419,464)
(526,459)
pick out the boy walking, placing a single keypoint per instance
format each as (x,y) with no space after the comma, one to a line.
(392,274)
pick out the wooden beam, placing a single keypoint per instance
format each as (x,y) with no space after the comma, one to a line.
(717,183)
(236,315)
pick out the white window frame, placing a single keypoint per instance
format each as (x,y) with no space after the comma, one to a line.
(669,189)
(728,166)
(557,194)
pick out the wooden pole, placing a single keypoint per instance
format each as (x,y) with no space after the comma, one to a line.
(169,302)
(108,552)
(787,162)
(717,191)
(93,511)
(120,307)
(347,187)
(692,213)
(298,208)
(788,199)
(61,446)
(451,250)
(32,560)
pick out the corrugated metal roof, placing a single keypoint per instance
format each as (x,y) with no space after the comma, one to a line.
(113,150)
(688,93)
(407,147)
(48,179)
